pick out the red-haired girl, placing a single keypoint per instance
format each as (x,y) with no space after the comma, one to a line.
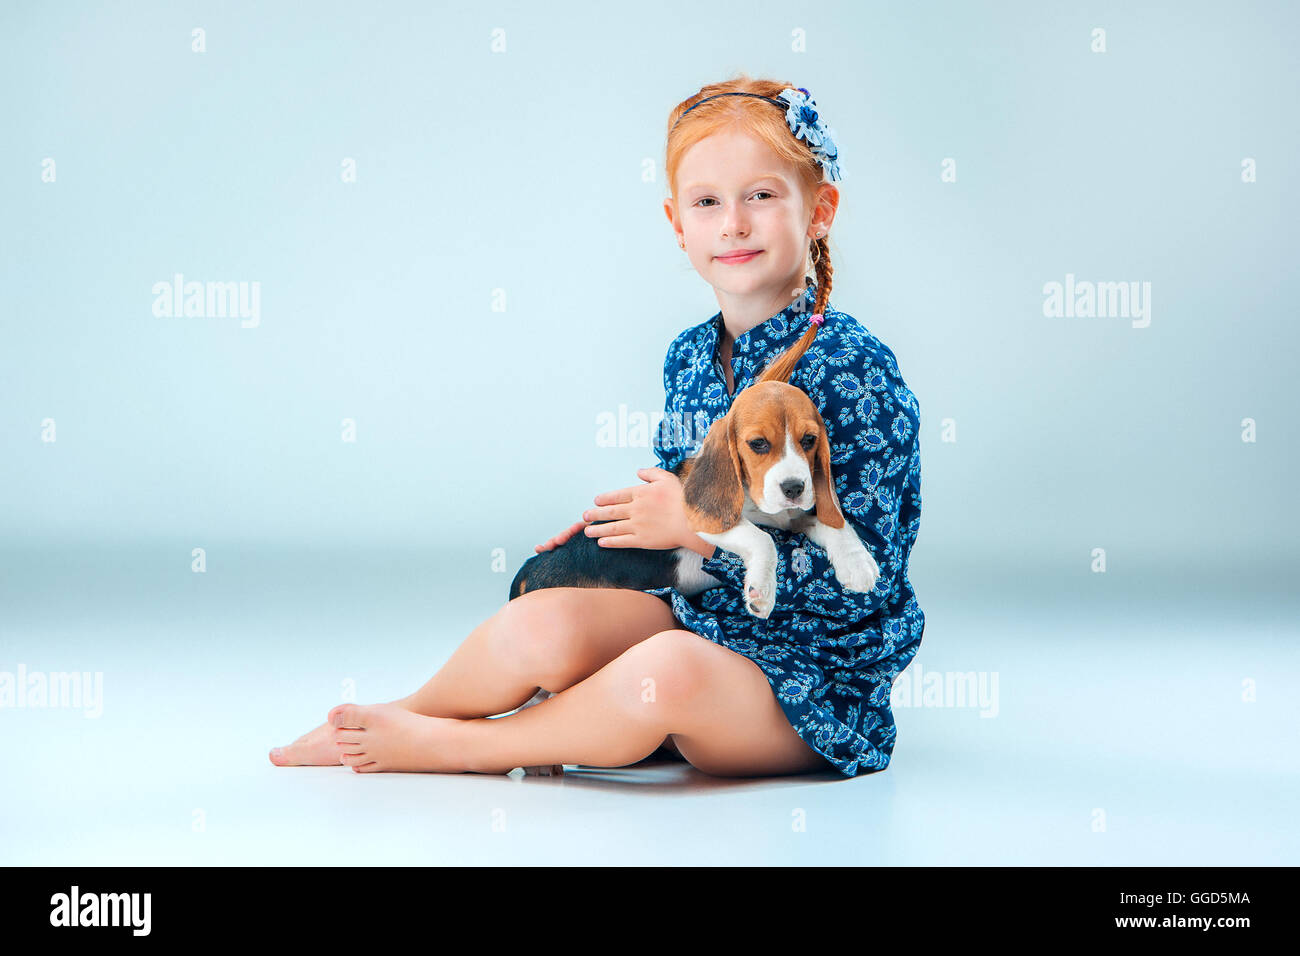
(750,166)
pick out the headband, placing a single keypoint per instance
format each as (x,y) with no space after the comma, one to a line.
(801,116)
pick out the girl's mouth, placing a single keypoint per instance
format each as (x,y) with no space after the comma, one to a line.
(744,257)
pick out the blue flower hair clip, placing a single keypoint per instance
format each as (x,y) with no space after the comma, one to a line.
(801,116)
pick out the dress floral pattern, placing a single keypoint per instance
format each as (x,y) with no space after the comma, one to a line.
(830,654)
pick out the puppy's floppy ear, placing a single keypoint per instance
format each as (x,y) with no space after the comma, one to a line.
(827,505)
(712,489)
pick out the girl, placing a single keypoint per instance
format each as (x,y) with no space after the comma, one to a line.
(749,166)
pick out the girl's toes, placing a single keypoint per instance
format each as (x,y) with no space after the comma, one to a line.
(292,755)
(346,715)
(352,760)
(371,767)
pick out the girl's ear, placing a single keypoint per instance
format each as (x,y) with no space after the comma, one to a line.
(712,490)
(827,505)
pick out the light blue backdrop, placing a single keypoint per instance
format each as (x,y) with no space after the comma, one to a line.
(523,171)
(517,177)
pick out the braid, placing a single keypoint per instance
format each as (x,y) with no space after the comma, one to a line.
(822,265)
(782,367)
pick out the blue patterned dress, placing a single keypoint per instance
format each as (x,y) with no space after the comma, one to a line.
(831,655)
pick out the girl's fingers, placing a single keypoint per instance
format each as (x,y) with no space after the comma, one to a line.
(562,537)
(569,532)
(619,497)
(608,528)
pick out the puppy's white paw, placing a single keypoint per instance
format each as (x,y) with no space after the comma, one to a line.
(857,570)
(760,593)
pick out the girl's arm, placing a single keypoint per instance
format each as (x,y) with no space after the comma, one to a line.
(672,516)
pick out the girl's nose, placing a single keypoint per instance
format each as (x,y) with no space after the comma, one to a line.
(734,225)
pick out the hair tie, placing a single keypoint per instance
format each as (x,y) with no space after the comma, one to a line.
(817,318)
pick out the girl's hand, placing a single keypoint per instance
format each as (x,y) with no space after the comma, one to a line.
(652,515)
(560,538)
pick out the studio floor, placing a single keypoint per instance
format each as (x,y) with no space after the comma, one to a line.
(1148,727)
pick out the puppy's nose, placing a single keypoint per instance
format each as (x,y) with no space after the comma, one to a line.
(792,488)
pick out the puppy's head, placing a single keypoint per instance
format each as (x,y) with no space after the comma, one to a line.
(771,446)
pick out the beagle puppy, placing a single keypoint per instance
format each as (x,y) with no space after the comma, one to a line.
(766,462)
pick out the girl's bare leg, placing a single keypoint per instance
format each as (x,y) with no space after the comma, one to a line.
(551,639)
(548,639)
(716,702)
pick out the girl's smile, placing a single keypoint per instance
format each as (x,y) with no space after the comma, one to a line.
(739,257)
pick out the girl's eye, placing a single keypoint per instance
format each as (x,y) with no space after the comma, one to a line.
(761,192)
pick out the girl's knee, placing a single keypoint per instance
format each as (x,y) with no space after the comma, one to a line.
(537,633)
(667,668)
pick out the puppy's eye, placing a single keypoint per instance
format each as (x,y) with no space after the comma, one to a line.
(808,441)
(760,446)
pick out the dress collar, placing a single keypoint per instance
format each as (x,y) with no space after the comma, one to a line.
(782,328)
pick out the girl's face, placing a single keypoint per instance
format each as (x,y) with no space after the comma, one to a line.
(736,195)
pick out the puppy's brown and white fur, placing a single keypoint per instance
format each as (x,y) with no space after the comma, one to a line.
(767,461)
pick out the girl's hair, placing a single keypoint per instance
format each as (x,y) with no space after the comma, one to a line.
(765,122)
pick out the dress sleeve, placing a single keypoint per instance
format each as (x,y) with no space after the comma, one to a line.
(662,442)
(671,441)
(872,421)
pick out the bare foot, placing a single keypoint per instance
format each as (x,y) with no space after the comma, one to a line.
(382,737)
(316,747)
(313,749)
